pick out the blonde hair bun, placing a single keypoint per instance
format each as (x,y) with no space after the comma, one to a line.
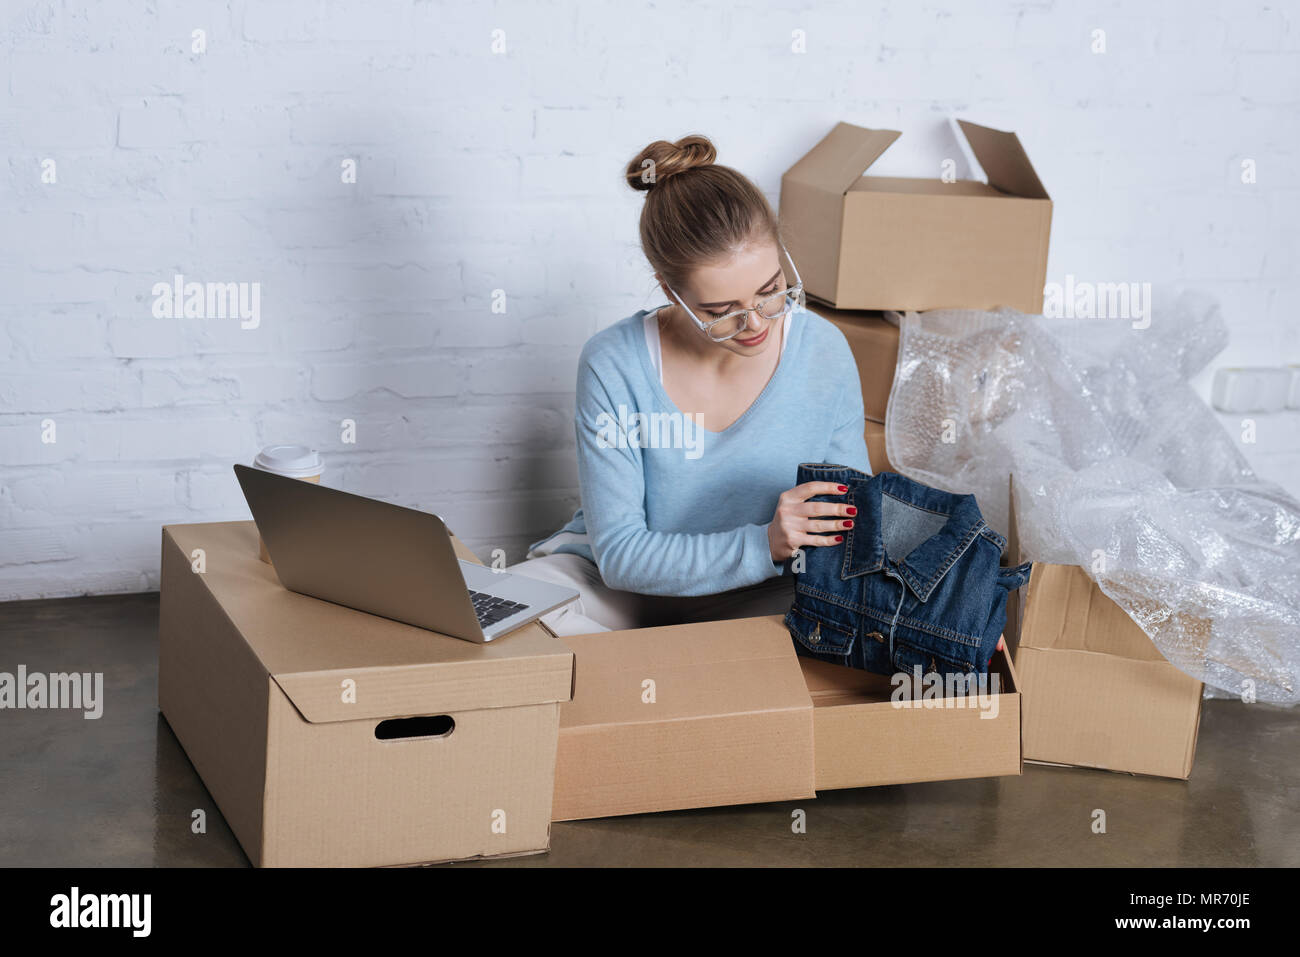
(662,160)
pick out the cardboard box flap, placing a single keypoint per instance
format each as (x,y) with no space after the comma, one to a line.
(1066,611)
(313,648)
(1011,555)
(1004,160)
(739,666)
(829,683)
(443,688)
(841,157)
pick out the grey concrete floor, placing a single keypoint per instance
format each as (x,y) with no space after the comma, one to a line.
(120,791)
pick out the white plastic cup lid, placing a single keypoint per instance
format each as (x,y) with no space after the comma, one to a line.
(294,461)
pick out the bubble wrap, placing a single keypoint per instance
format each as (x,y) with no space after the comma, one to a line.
(1119,467)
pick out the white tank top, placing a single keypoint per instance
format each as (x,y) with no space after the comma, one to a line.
(651,323)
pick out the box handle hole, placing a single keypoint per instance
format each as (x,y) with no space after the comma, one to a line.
(426,726)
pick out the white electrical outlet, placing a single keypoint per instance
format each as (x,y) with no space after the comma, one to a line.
(1257,389)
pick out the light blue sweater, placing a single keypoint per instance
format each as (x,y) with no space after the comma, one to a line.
(669,508)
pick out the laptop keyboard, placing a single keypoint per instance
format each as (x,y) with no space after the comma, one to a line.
(491,609)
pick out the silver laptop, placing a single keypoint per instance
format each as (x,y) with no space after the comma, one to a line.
(387,560)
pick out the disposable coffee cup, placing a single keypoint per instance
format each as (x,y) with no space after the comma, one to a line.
(291,461)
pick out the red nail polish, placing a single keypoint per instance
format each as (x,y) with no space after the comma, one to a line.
(839,538)
(844,488)
(848,524)
(851,510)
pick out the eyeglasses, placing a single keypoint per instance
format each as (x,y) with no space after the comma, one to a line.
(769,308)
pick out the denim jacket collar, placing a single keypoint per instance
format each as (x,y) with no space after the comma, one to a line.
(924,567)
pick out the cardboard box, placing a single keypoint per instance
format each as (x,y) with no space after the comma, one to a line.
(874,343)
(294,712)
(863,739)
(725,712)
(1097,691)
(684,716)
(875,436)
(878,242)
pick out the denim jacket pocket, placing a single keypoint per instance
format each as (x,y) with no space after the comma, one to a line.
(817,635)
(909,654)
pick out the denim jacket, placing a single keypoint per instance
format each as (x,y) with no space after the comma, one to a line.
(915,582)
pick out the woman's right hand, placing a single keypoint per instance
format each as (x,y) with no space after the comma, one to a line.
(799,523)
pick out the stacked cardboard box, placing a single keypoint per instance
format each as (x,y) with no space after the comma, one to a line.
(874,343)
(869,243)
(875,436)
(884,242)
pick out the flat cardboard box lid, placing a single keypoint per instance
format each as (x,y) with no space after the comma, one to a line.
(736,666)
(730,721)
(309,646)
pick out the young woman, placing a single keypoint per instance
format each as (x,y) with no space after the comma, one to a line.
(692,418)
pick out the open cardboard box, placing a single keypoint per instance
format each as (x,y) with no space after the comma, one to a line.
(725,712)
(1097,691)
(887,242)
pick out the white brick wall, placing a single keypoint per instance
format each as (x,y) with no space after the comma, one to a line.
(478,171)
